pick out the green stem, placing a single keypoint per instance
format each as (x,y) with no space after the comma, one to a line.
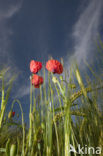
(30,119)
(23,126)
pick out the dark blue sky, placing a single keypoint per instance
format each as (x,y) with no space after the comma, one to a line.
(31,29)
(41,28)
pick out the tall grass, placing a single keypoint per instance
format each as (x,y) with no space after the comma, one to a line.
(62,113)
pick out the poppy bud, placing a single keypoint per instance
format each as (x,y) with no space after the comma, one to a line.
(54,79)
(11,114)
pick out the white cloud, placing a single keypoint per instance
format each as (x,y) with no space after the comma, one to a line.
(7,10)
(85,31)
(24,90)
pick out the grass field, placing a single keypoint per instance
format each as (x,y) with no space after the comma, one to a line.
(66,115)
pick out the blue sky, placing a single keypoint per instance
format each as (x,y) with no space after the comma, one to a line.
(37,29)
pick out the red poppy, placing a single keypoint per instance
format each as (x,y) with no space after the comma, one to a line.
(54,66)
(36,80)
(35,66)
(13,114)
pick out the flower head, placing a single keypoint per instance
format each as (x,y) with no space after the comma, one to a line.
(54,66)
(11,114)
(35,66)
(36,81)
(54,79)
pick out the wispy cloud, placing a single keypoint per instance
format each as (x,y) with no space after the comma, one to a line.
(24,90)
(84,33)
(7,10)
(85,30)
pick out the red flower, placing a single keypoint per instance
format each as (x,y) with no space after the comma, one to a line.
(54,66)
(13,114)
(36,81)
(35,66)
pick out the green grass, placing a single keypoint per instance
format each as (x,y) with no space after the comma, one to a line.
(65,112)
